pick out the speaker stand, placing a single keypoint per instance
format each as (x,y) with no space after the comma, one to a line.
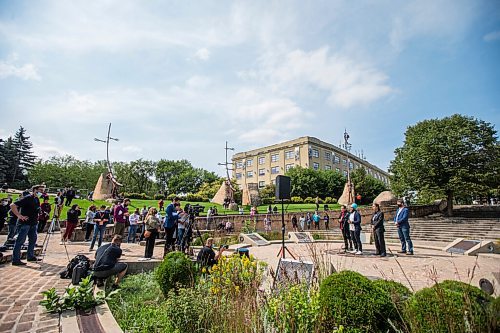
(283,247)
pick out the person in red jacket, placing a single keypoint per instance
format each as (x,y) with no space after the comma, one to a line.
(161,203)
(44,214)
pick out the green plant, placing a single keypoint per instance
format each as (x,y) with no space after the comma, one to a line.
(330,200)
(309,200)
(248,227)
(195,197)
(293,309)
(399,293)
(75,297)
(297,200)
(175,271)
(273,235)
(159,197)
(450,306)
(350,299)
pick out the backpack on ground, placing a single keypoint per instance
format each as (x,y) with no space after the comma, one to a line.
(80,271)
(68,272)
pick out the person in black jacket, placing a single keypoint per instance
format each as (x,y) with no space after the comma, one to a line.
(344,227)
(378,230)
(70,195)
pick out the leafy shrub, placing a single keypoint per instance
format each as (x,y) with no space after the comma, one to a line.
(397,291)
(159,197)
(202,241)
(171,197)
(175,271)
(309,200)
(348,298)
(293,309)
(297,200)
(268,200)
(330,200)
(75,297)
(193,197)
(450,306)
(273,235)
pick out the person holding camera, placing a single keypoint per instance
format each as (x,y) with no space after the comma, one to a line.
(26,210)
(71,222)
(170,224)
(101,218)
(207,257)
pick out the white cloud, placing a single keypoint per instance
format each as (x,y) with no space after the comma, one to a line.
(26,72)
(198,81)
(492,36)
(202,54)
(132,149)
(347,82)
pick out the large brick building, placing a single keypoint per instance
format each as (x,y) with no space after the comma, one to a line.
(261,166)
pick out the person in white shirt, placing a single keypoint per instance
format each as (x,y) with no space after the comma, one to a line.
(302,221)
(209,217)
(132,229)
(181,228)
(89,222)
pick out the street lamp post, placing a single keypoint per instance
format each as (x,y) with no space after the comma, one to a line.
(347,147)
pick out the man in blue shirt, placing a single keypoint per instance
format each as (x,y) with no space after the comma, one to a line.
(401,221)
(170,224)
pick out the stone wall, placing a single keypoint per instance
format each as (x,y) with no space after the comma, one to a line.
(238,221)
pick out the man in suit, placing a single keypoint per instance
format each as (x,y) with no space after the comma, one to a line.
(401,221)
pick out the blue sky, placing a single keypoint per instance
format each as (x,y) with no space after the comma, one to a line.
(178,78)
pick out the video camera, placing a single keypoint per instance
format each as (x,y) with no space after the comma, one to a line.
(194,210)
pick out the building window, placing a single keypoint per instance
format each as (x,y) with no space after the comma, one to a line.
(275,157)
(344,161)
(262,160)
(328,156)
(337,160)
(289,155)
(238,175)
(288,167)
(328,167)
(315,153)
(273,181)
(316,166)
(239,164)
(262,172)
(249,163)
(262,184)
(249,174)
(345,173)
(351,166)
(275,170)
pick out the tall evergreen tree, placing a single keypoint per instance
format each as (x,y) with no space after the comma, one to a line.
(3,163)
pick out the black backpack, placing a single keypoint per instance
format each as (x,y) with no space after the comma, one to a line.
(78,259)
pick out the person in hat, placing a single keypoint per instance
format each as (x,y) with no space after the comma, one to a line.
(355,229)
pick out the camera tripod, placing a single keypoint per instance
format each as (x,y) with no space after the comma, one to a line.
(53,227)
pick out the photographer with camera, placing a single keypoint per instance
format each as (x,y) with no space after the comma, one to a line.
(207,257)
(170,224)
(71,223)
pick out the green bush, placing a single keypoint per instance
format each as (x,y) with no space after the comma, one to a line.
(309,200)
(398,292)
(268,201)
(273,235)
(450,306)
(171,197)
(348,298)
(293,309)
(330,200)
(159,197)
(175,271)
(296,200)
(190,309)
(193,197)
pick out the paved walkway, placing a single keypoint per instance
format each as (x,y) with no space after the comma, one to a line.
(20,287)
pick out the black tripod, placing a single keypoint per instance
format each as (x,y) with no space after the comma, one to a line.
(283,246)
(54,225)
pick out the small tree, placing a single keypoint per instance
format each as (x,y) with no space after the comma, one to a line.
(446,157)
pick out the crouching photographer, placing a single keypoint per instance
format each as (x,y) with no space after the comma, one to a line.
(207,257)
(106,262)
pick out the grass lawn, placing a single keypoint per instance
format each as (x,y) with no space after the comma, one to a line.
(137,203)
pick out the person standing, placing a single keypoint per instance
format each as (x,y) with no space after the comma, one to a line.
(401,221)
(316,202)
(26,210)
(252,213)
(70,195)
(355,229)
(89,222)
(326,218)
(44,215)
(170,223)
(59,202)
(294,223)
(308,220)
(181,229)
(302,222)
(344,227)
(316,219)
(209,217)
(267,224)
(101,218)
(120,216)
(161,203)
(378,230)
(152,226)
(4,212)
(132,229)
(144,213)
(71,223)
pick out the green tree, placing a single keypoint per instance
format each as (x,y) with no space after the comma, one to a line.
(267,194)
(332,183)
(446,157)
(367,186)
(307,182)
